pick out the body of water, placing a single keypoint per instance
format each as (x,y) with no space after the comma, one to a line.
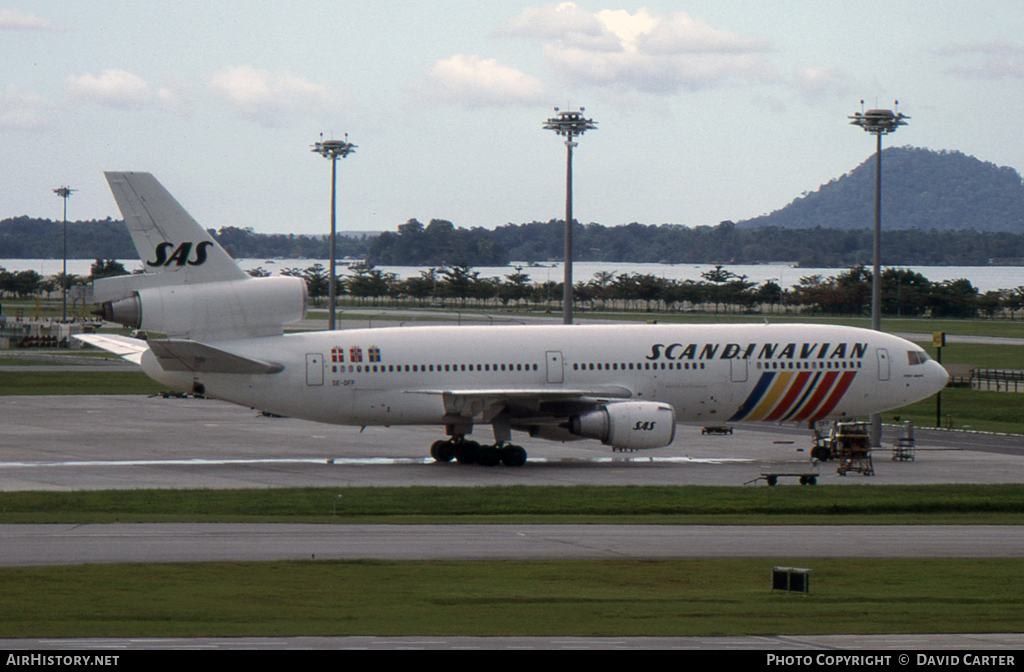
(985,278)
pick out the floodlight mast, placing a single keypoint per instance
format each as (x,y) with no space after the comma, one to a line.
(333,150)
(570,124)
(878,123)
(64,192)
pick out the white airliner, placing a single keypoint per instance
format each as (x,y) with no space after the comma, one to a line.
(624,385)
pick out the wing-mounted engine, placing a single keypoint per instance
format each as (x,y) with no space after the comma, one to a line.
(629,425)
(246,308)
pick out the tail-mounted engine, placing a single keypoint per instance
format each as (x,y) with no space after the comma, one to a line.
(213,310)
(630,425)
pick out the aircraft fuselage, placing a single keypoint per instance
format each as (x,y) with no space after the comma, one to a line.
(708,374)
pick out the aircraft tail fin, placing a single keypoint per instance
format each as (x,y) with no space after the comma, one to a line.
(169,241)
(191,288)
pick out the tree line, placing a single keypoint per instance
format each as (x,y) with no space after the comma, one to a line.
(28,284)
(905,293)
(441,243)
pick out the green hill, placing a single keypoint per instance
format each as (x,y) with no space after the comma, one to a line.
(921,189)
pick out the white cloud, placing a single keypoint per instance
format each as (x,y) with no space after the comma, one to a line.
(987,60)
(683,34)
(119,89)
(24,111)
(14,20)
(273,99)
(818,84)
(565,23)
(642,51)
(480,82)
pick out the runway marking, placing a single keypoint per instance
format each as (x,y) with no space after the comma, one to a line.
(359,461)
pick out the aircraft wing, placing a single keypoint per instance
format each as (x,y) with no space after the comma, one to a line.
(181,355)
(482,405)
(130,349)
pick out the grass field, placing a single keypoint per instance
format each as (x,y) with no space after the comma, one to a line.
(940,504)
(977,327)
(980,355)
(580,598)
(553,598)
(963,408)
(77,382)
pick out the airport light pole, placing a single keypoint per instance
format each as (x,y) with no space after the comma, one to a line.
(878,123)
(333,150)
(570,124)
(64,192)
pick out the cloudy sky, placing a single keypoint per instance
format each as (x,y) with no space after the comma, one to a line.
(707,110)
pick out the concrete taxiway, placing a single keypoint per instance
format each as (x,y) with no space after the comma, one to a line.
(114,442)
(27,545)
(91,442)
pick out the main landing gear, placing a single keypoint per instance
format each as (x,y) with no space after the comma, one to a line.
(465,451)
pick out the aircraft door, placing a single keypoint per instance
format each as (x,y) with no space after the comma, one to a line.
(738,371)
(314,369)
(554,364)
(883,363)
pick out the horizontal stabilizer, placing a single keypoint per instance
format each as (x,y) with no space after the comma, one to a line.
(201,358)
(130,349)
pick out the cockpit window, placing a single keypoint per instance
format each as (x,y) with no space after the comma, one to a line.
(916,357)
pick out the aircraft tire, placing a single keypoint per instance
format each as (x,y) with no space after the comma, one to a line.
(513,456)
(467,452)
(488,456)
(442,451)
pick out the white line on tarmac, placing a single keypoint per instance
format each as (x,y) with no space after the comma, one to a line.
(356,461)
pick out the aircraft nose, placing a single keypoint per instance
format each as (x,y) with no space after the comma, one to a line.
(936,376)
